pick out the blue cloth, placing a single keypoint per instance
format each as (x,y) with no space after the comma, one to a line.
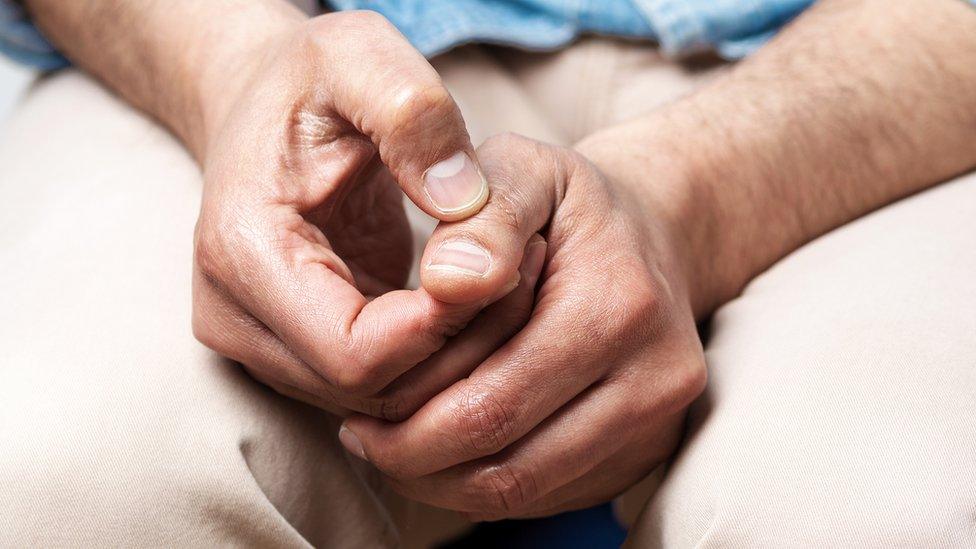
(22,42)
(593,528)
(734,28)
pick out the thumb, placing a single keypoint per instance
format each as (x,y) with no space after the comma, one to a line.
(478,258)
(400,103)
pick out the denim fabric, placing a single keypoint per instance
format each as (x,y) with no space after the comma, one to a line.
(21,41)
(734,28)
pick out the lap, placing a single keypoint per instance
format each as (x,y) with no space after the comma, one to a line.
(838,408)
(840,404)
(117,426)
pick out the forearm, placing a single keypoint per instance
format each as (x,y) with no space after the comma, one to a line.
(856,104)
(171,59)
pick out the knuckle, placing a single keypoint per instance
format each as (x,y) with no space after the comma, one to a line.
(207,251)
(358,363)
(678,386)
(485,424)
(389,407)
(224,242)
(393,409)
(355,377)
(689,383)
(639,314)
(507,208)
(505,489)
(422,107)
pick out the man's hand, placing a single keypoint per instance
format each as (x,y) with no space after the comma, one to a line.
(302,246)
(856,104)
(590,396)
(307,131)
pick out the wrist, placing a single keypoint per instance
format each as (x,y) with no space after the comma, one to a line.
(669,183)
(219,65)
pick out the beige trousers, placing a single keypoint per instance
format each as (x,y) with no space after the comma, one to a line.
(841,408)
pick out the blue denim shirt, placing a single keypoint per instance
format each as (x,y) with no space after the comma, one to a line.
(733,28)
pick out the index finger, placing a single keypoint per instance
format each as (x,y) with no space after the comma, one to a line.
(519,386)
(280,268)
(359,345)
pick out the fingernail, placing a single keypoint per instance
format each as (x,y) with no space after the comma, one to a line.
(461,257)
(351,442)
(535,256)
(455,184)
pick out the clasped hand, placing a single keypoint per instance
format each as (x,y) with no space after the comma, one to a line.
(547,359)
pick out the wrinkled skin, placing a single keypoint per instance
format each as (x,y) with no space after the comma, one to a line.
(302,245)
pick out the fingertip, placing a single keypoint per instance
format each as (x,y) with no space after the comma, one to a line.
(457,288)
(351,441)
(374,441)
(461,271)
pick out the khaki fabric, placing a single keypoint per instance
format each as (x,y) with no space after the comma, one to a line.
(841,408)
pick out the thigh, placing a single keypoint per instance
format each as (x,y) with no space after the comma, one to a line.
(841,409)
(116,427)
(598,82)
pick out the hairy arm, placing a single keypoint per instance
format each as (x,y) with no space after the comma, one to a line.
(170,59)
(856,104)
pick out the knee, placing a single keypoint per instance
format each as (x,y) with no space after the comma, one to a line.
(764,479)
(171,460)
(76,479)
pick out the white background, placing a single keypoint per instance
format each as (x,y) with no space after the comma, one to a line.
(13,81)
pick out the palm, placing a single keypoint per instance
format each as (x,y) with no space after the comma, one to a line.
(369,230)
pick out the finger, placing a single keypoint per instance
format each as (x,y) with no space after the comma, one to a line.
(514,390)
(549,362)
(654,420)
(404,108)
(472,259)
(302,290)
(230,331)
(601,485)
(607,480)
(556,462)
(576,439)
(464,352)
(614,476)
(294,393)
(226,328)
(286,276)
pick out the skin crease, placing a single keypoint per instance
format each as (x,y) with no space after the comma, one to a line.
(649,225)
